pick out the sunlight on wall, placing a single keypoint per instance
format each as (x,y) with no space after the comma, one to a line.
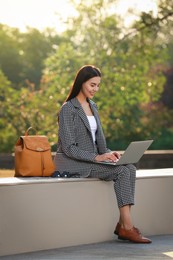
(170,254)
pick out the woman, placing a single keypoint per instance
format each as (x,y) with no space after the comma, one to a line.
(82,145)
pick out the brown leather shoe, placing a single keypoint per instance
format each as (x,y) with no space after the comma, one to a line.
(116,231)
(133,235)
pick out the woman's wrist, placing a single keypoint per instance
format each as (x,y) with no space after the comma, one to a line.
(97,158)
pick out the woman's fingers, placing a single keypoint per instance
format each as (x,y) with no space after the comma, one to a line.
(117,154)
(111,157)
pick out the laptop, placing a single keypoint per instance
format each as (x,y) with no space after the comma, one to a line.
(132,154)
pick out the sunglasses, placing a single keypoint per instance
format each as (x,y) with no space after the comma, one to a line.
(65,174)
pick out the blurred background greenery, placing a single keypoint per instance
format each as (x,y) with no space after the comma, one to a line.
(135,100)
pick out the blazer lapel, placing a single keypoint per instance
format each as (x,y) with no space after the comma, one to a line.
(81,112)
(100,139)
(95,113)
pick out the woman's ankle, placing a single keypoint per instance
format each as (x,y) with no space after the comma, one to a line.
(127,226)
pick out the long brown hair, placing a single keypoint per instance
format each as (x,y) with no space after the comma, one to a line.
(85,73)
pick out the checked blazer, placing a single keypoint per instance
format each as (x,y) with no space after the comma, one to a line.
(76,150)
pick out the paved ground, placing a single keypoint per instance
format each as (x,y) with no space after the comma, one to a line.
(161,248)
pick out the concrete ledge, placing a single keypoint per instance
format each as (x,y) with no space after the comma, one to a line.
(46,213)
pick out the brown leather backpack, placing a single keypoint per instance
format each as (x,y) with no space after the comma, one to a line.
(33,156)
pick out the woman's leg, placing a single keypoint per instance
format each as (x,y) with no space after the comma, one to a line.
(124,178)
(125,217)
(124,186)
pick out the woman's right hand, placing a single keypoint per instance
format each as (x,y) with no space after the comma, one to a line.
(110,157)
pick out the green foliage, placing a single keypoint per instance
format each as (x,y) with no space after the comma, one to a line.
(10,61)
(132,81)
(7,101)
(21,109)
(22,55)
(132,61)
(36,47)
(163,140)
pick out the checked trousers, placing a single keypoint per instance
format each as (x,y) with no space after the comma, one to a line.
(124,178)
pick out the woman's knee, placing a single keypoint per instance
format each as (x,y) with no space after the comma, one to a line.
(129,171)
(132,167)
(125,172)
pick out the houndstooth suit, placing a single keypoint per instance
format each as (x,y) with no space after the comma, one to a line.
(76,151)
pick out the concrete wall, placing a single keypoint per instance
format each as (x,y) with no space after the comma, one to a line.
(46,213)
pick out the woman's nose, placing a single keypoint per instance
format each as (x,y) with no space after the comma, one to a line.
(96,88)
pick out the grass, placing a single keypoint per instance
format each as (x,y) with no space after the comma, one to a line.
(6,173)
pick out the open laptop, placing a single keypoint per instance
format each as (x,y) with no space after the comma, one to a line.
(132,154)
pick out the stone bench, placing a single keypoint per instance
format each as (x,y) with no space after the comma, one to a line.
(46,213)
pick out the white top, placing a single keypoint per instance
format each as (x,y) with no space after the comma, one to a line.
(93,126)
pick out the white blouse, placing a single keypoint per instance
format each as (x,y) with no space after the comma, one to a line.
(93,126)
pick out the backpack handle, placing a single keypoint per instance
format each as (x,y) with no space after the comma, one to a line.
(30,128)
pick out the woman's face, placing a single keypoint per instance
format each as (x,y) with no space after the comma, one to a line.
(90,87)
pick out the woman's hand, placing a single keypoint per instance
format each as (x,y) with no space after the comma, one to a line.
(110,157)
(118,155)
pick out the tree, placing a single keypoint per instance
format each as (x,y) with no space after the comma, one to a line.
(22,55)
(36,47)
(7,100)
(134,62)
(10,56)
(132,78)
